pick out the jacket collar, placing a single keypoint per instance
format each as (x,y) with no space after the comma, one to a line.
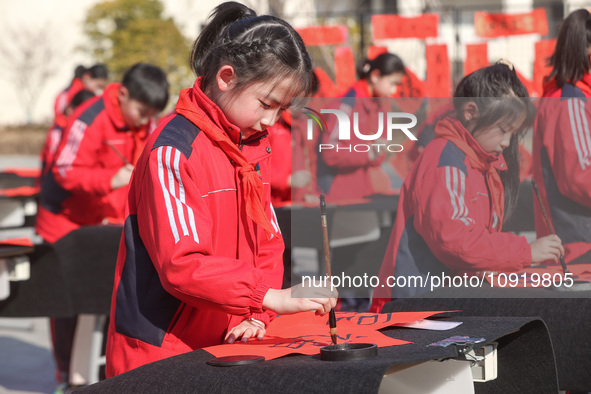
(113,108)
(452,129)
(213,112)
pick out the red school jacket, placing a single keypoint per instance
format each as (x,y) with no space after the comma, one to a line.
(77,191)
(444,222)
(192,264)
(562,165)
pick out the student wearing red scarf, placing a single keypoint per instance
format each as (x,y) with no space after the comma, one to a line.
(200,260)
(562,140)
(87,181)
(462,187)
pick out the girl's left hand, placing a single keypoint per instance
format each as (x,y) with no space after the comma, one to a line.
(246,330)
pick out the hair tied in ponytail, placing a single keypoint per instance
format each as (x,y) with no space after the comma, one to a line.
(506,63)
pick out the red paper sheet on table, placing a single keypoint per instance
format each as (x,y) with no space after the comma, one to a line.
(306,333)
(16,242)
(23,172)
(22,191)
(491,25)
(540,277)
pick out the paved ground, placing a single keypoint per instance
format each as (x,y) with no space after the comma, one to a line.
(26,363)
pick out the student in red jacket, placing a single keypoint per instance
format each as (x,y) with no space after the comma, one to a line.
(348,175)
(200,261)
(562,141)
(54,135)
(94,79)
(87,181)
(462,187)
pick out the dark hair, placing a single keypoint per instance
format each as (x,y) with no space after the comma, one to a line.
(499,94)
(79,71)
(570,59)
(81,97)
(99,70)
(385,63)
(147,83)
(259,48)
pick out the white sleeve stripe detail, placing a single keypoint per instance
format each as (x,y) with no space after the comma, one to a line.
(68,154)
(574,123)
(192,223)
(274,220)
(165,192)
(587,135)
(190,214)
(460,192)
(581,132)
(464,208)
(462,197)
(451,191)
(177,173)
(456,184)
(172,187)
(177,157)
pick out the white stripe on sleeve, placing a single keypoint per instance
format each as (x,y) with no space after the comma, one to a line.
(575,124)
(172,186)
(455,181)
(165,192)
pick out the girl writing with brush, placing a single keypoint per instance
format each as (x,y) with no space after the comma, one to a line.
(462,187)
(562,141)
(200,260)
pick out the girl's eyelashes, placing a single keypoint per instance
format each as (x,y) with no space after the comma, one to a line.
(264,105)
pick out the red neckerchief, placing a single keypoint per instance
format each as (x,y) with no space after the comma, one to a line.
(111,100)
(453,130)
(190,106)
(584,84)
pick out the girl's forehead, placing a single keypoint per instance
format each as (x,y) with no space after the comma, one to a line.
(512,121)
(279,91)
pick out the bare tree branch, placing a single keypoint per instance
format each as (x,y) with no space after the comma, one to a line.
(29,57)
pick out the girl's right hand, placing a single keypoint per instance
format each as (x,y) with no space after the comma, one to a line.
(546,248)
(299,299)
(122,177)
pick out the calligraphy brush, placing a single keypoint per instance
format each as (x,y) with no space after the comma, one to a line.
(548,222)
(332,321)
(117,152)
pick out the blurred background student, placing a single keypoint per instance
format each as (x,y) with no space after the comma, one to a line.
(562,140)
(87,180)
(462,188)
(344,174)
(93,79)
